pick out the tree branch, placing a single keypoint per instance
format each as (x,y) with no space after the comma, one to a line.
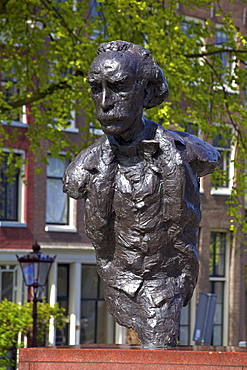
(226,104)
(214,52)
(48,5)
(37,95)
(3,6)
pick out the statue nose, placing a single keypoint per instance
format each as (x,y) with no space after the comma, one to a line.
(107,99)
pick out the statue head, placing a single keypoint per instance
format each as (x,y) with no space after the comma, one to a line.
(124,79)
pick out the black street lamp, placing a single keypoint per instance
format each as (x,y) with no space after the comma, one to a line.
(35,268)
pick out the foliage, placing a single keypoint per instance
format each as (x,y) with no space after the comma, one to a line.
(16,321)
(47,47)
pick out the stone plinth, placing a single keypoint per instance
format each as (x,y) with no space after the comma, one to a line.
(126,357)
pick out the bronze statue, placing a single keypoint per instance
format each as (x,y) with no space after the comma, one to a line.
(141,191)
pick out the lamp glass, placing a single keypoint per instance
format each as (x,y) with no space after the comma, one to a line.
(44,268)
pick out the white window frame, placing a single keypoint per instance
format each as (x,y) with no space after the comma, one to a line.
(21,196)
(71,226)
(14,269)
(226,190)
(225,280)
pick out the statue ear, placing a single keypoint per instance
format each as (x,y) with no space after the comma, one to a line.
(147,95)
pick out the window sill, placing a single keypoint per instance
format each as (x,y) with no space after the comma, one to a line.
(96,131)
(71,129)
(221,191)
(15,123)
(227,88)
(12,224)
(61,228)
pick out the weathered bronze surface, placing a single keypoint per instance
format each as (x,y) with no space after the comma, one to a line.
(142,199)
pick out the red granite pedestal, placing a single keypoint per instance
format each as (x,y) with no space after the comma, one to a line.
(126,357)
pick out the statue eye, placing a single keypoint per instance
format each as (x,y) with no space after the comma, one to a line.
(118,87)
(96,88)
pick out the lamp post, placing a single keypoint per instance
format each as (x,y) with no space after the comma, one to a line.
(35,268)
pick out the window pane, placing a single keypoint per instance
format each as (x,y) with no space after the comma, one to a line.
(188,28)
(89,282)
(7,285)
(217,254)
(223,144)
(217,336)
(63,281)
(184,336)
(88,320)
(96,327)
(56,203)
(9,89)
(102,322)
(221,39)
(217,287)
(8,194)
(62,336)
(56,167)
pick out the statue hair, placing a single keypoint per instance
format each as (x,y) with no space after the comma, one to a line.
(156,87)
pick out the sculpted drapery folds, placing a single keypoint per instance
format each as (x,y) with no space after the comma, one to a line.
(142,199)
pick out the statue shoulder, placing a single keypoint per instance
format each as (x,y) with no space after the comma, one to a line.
(202,156)
(77,174)
(88,158)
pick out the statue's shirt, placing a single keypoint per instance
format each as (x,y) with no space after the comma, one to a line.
(138,208)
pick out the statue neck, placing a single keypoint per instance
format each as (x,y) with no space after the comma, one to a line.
(133,135)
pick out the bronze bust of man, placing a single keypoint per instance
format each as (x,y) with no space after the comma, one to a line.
(142,200)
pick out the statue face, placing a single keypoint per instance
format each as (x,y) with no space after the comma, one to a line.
(117,93)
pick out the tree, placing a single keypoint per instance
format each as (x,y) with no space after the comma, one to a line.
(16,321)
(47,47)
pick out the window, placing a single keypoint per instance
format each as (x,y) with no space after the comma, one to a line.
(59,207)
(66,120)
(223,177)
(8,282)
(187,28)
(193,29)
(96,11)
(217,254)
(221,39)
(9,87)
(11,190)
(63,270)
(227,64)
(95,319)
(218,272)
(184,335)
